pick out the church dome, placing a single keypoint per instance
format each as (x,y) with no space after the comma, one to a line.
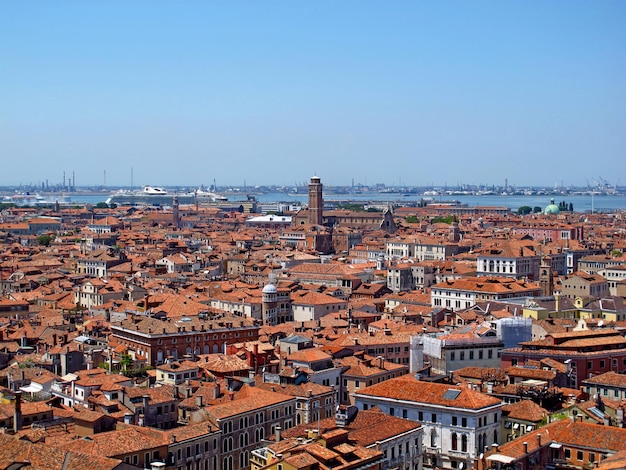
(552,208)
(269,289)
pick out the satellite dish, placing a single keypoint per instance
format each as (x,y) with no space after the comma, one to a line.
(461,465)
(601,322)
(481,456)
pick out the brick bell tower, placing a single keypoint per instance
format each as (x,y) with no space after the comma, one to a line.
(316,202)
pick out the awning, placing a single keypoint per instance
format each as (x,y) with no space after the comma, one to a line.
(500,458)
(555,445)
(33,387)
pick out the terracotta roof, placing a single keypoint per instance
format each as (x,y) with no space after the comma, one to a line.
(408,388)
(122,441)
(612,379)
(525,410)
(258,400)
(39,456)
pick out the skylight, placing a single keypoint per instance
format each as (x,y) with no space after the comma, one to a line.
(451,394)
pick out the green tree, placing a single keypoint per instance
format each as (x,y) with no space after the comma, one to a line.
(571,207)
(102,205)
(524,210)
(44,240)
(537,209)
(411,219)
(125,361)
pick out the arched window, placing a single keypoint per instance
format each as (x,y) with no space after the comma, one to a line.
(454,441)
(188,350)
(216,349)
(160,355)
(433,438)
(197,350)
(206,349)
(495,437)
(464,443)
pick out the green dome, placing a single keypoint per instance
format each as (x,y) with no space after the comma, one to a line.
(552,208)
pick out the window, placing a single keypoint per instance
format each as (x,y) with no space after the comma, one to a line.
(405,414)
(433,417)
(454,421)
(452,356)
(579,455)
(464,422)
(420,416)
(392,411)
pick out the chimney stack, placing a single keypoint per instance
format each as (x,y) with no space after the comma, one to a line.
(17,415)
(277,433)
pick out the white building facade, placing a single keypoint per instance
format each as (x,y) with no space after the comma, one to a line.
(459,423)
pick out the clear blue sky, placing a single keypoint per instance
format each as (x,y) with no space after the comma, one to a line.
(395,92)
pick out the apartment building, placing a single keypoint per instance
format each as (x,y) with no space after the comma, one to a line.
(462,293)
(587,353)
(459,423)
(156,340)
(195,446)
(561,445)
(245,423)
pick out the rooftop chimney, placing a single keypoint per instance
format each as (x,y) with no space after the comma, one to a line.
(277,433)
(17,415)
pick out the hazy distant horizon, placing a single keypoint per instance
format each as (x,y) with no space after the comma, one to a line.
(402,93)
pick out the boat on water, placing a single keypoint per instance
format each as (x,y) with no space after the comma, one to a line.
(158,195)
(33,199)
(154,191)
